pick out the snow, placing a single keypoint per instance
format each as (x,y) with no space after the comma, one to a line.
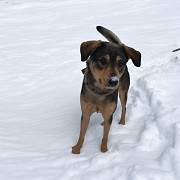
(40,83)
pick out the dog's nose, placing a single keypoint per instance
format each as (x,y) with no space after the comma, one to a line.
(113,81)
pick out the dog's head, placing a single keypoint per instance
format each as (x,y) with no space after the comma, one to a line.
(107,60)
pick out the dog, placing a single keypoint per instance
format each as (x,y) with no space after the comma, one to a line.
(106,74)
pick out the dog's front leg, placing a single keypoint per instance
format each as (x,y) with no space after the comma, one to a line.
(84,124)
(107,125)
(87,110)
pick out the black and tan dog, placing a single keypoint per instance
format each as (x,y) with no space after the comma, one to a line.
(106,74)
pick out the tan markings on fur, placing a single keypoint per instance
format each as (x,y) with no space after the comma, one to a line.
(87,110)
(93,98)
(123,90)
(118,58)
(118,73)
(104,74)
(107,126)
(123,104)
(84,71)
(107,110)
(107,57)
(101,75)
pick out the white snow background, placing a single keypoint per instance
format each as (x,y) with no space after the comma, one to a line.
(40,83)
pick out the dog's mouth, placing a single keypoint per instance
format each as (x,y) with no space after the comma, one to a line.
(109,86)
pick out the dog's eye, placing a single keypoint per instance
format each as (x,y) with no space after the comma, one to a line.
(102,61)
(120,63)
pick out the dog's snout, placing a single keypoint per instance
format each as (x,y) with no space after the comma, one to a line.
(113,81)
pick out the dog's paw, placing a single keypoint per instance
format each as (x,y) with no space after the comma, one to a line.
(104,148)
(75,150)
(122,122)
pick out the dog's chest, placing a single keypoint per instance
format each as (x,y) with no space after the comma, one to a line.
(96,99)
(98,109)
(99,102)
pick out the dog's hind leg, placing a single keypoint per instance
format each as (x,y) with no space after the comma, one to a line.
(123,99)
(123,90)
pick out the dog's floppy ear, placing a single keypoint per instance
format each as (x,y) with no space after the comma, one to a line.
(87,48)
(134,55)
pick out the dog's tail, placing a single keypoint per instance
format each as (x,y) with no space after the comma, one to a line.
(109,35)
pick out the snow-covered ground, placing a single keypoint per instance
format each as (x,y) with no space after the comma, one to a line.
(40,82)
